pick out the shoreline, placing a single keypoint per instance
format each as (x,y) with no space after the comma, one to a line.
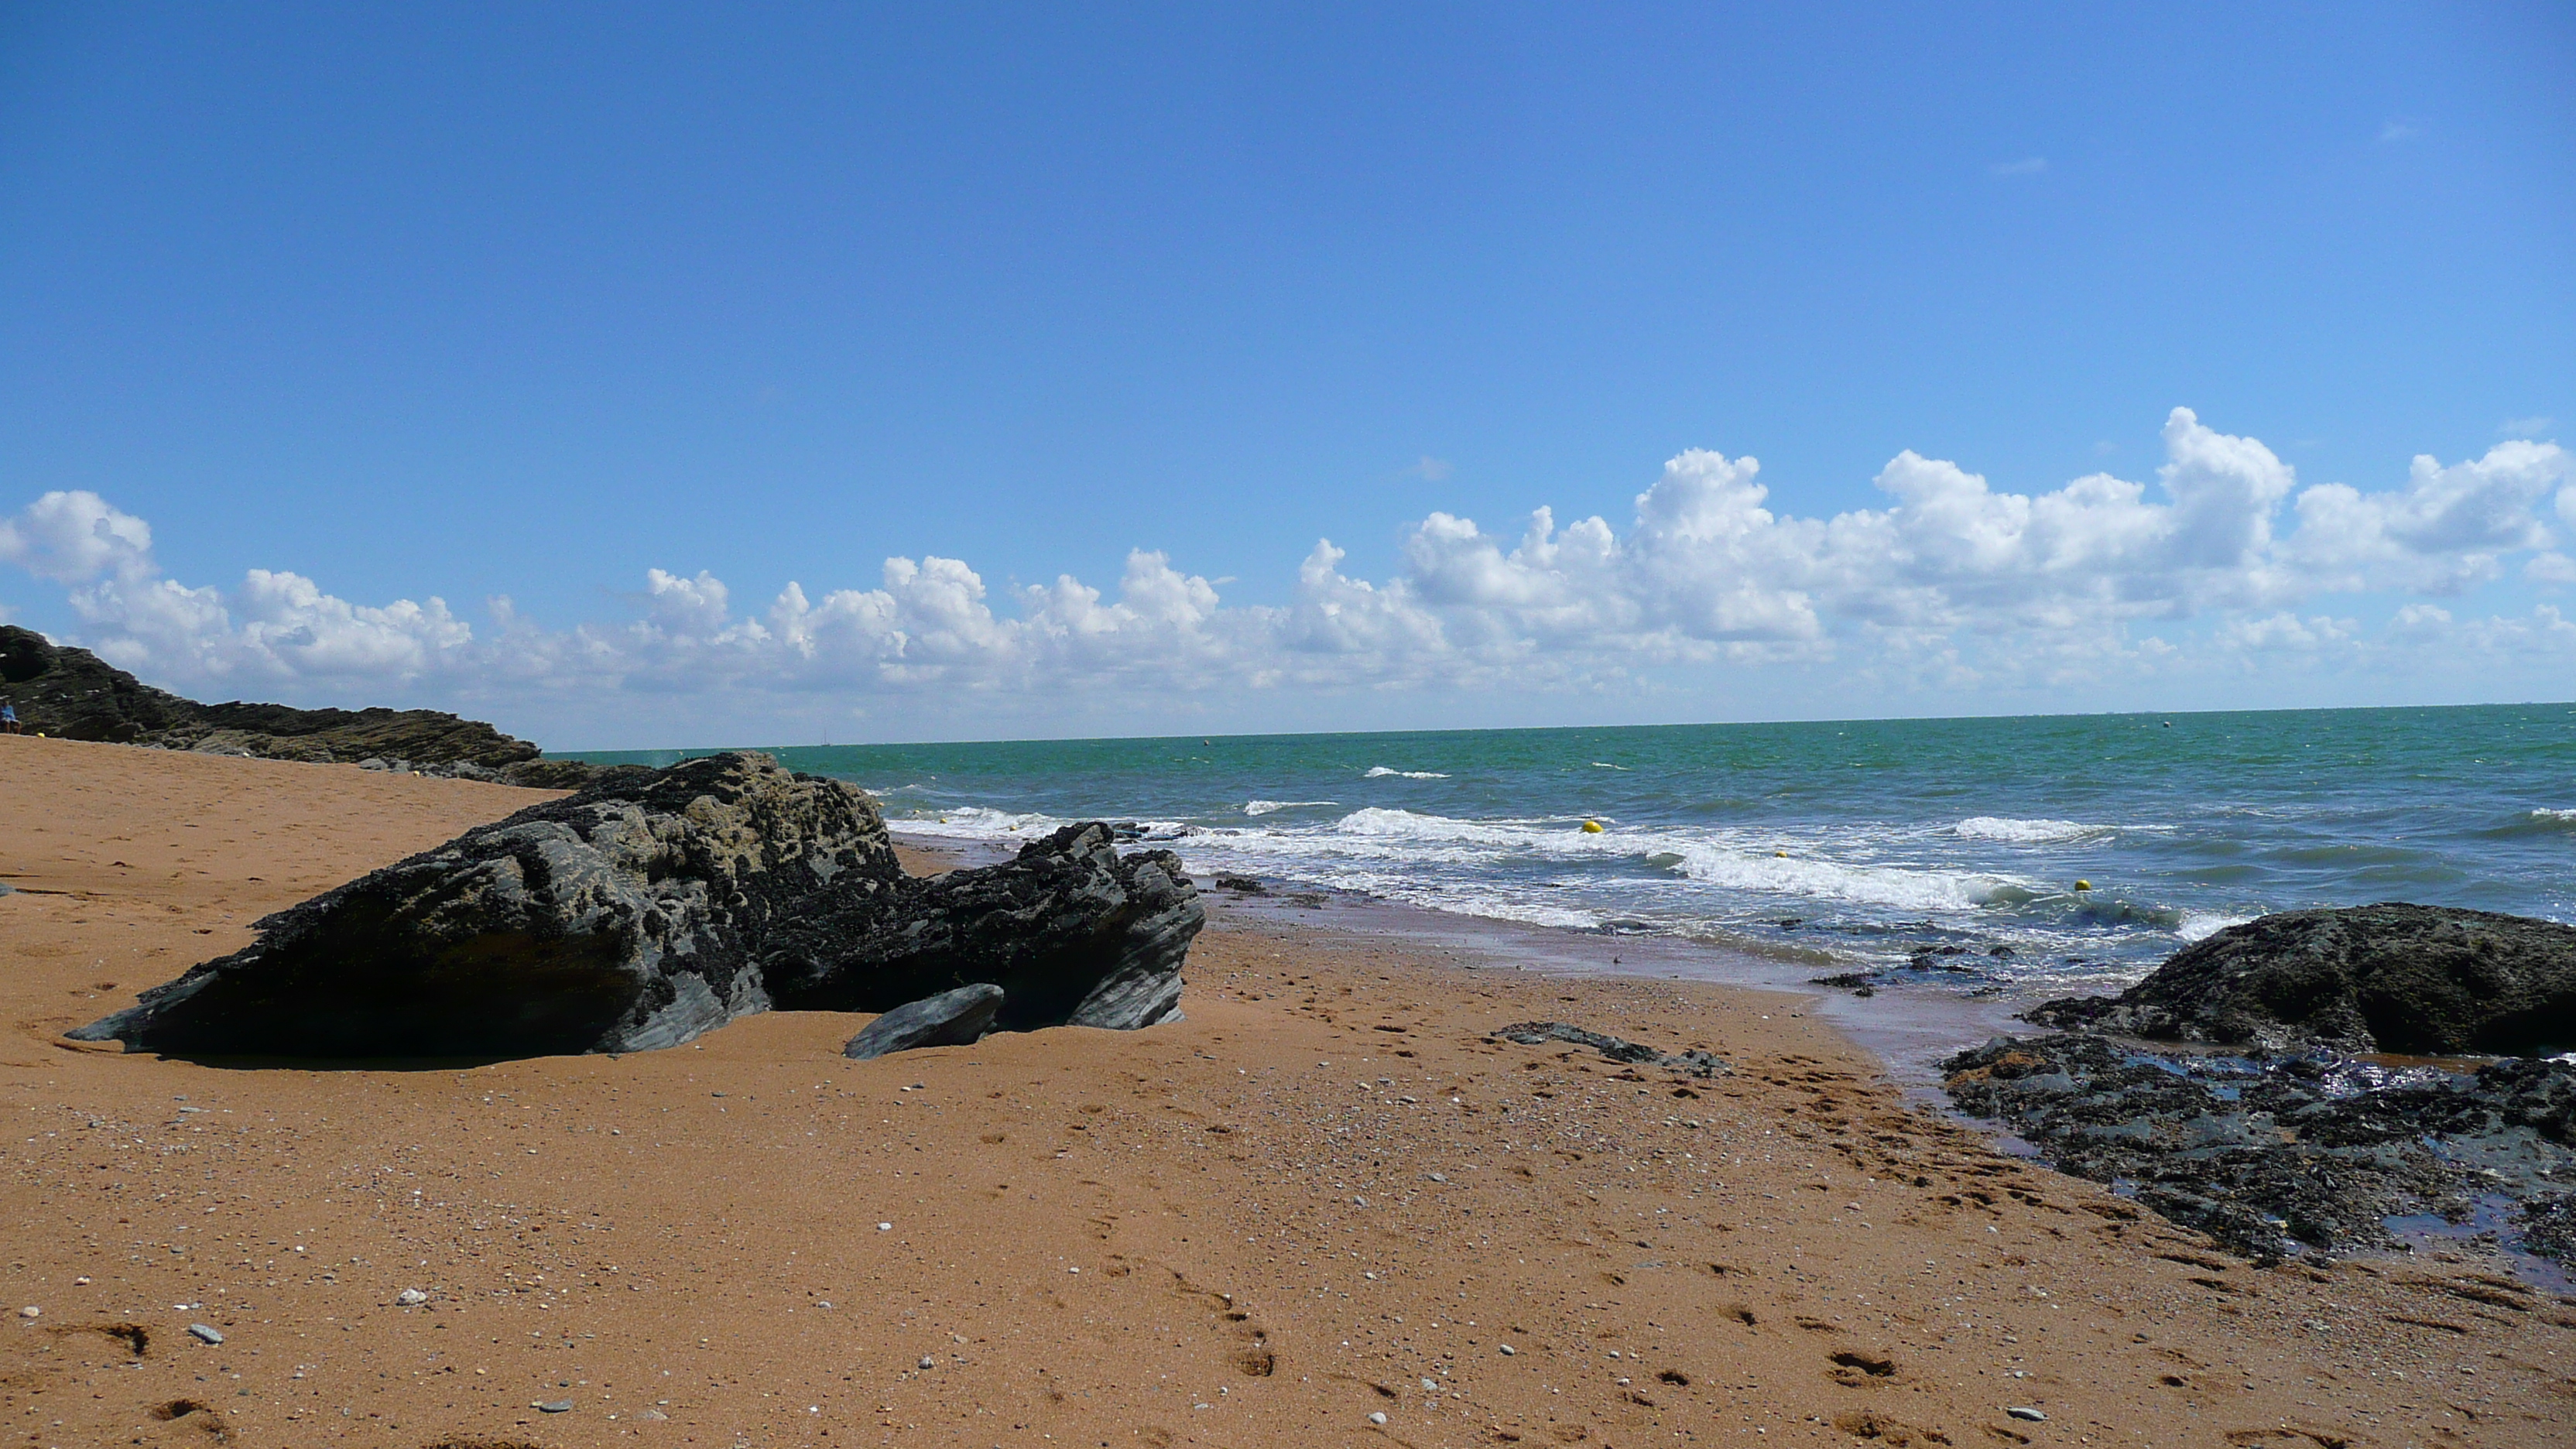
(1907,1031)
(1911,1035)
(1329,1194)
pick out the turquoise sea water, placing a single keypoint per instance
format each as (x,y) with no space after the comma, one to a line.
(1848,845)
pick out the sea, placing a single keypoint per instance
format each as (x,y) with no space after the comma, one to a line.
(1994,857)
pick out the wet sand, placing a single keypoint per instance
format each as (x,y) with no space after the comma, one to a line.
(1328,1195)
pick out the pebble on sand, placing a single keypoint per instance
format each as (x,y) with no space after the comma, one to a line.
(1377,1418)
(555,1406)
(2031,1415)
(411,1298)
(202,1334)
(31,1311)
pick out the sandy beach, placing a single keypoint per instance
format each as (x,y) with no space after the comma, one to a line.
(1327,1209)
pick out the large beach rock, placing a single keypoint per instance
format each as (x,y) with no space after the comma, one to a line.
(626,917)
(656,905)
(1073,932)
(2387,978)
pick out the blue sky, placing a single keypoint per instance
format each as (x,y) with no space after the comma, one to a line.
(465,303)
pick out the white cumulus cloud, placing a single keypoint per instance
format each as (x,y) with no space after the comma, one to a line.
(1947,584)
(73,537)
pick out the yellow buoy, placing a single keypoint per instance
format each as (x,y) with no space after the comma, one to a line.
(1781,853)
(1592,827)
(2084,885)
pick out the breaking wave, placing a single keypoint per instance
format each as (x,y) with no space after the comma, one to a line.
(2201,925)
(2025,832)
(1876,885)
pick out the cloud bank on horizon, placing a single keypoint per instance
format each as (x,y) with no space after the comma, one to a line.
(1952,589)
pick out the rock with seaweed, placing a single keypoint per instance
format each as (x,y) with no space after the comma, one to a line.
(2283,1156)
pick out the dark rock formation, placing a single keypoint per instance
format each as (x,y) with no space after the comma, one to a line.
(75,695)
(656,905)
(2276,1158)
(952,1018)
(2395,978)
(1072,932)
(1692,1063)
(72,694)
(619,919)
(565,774)
(419,737)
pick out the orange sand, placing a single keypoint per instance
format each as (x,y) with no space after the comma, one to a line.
(1327,1196)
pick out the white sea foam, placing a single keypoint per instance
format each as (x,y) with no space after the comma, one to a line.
(1349,851)
(2545,813)
(2024,832)
(1272,807)
(1449,864)
(974,822)
(1380,772)
(1458,896)
(1606,765)
(1408,825)
(1879,885)
(2201,925)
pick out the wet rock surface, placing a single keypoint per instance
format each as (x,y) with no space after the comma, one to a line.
(1964,965)
(70,693)
(657,905)
(2280,1156)
(2383,978)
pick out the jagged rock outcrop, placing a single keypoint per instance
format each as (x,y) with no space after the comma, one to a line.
(72,694)
(619,919)
(1072,931)
(2393,977)
(952,1018)
(656,905)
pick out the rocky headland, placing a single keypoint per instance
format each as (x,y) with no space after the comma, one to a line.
(654,906)
(2253,1086)
(72,694)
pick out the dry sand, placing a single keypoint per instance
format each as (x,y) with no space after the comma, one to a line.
(1328,1196)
